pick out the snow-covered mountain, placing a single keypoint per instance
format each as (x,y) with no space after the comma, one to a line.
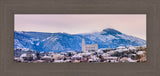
(58,42)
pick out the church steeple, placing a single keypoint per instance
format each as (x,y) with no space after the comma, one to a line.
(83,44)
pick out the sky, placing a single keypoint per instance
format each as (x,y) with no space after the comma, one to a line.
(130,24)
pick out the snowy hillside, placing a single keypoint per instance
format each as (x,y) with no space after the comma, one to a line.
(57,42)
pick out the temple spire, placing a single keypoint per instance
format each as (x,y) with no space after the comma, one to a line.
(83,44)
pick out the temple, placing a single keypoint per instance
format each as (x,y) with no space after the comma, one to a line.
(89,47)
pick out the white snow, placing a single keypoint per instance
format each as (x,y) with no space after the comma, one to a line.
(23,55)
(25,49)
(46,57)
(29,41)
(77,56)
(140,52)
(131,38)
(111,37)
(120,47)
(54,39)
(103,38)
(131,60)
(18,44)
(51,38)
(58,61)
(37,43)
(58,46)
(33,39)
(121,50)
(87,53)
(132,48)
(46,38)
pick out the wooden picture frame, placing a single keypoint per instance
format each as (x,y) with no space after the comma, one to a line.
(10,7)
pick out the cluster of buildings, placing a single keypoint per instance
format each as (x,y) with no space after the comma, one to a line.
(89,53)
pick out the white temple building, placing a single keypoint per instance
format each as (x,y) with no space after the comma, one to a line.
(89,47)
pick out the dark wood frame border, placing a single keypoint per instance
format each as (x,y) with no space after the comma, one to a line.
(10,7)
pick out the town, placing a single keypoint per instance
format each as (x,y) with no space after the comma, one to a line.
(89,53)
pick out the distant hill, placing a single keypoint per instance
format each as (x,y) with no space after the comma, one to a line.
(58,42)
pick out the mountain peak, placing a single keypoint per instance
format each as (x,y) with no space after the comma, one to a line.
(108,38)
(110,31)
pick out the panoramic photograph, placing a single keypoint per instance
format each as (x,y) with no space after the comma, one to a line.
(80,38)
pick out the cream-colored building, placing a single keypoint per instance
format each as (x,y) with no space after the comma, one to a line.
(89,47)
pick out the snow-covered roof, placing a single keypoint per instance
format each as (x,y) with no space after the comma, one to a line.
(131,60)
(120,47)
(77,55)
(24,55)
(71,51)
(110,57)
(127,59)
(94,57)
(132,48)
(105,54)
(87,53)
(121,50)
(40,60)
(140,52)
(46,57)
(111,52)
(57,61)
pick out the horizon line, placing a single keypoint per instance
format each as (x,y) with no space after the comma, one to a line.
(75,33)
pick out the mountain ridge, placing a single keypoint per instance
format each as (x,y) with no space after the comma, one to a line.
(57,42)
